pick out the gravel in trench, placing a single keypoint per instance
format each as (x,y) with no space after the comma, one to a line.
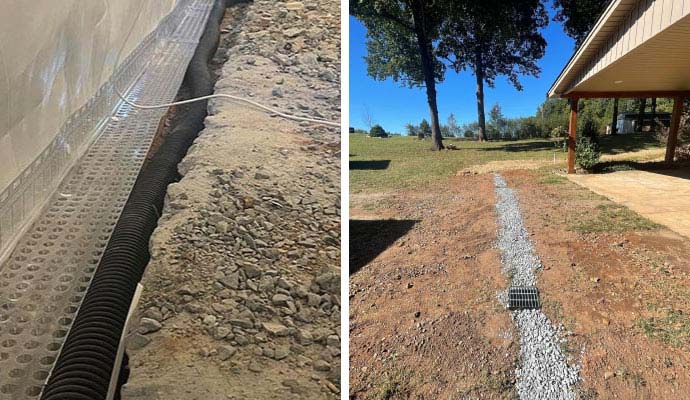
(544,372)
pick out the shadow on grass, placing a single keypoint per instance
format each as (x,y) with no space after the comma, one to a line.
(369,238)
(625,143)
(678,169)
(517,147)
(611,144)
(372,165)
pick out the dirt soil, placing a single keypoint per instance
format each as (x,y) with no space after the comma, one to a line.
(623,295)
(241,298)
(425,322)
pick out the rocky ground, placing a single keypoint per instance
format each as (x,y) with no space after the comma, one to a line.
(544,371)
(426,321)
(622,293)
(241,298)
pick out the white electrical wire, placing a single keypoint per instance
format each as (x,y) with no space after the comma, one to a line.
(231,97)
(219,95)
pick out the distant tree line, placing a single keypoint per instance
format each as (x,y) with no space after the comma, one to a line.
(550,120)
(375,131)
(423,129)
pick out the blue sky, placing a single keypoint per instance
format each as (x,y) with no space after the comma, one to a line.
(392,105)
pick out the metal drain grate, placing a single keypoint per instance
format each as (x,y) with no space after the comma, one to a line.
(523,298)
(48,273)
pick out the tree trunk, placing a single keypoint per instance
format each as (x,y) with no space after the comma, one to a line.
(614,121)
(436,137)
(425,52)
(640,116)
(479,74)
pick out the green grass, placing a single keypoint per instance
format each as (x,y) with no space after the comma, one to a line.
(616,144)
(613,218)
(411,163)
(673,328)
(401,161)
(552,179)
(394,386)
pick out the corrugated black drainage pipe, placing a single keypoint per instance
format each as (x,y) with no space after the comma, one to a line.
(85,364)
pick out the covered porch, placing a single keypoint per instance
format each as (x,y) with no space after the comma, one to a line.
(637,49)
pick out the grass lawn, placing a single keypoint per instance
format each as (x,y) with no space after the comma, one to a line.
(378,165)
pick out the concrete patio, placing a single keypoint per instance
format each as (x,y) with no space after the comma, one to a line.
(661,196)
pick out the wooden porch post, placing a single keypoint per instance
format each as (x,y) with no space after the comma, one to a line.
(572,134)
(673,132)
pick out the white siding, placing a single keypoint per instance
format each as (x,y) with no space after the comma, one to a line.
(646,19)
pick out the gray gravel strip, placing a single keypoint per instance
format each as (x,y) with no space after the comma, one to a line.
(544,372)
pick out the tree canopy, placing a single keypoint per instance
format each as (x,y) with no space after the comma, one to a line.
(413,42)
(377,131)
(493,38)
(424,128)
(503,33)
(400,45)
(578,16)
(497,122)
(392,47)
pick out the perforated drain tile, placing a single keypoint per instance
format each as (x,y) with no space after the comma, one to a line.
(48,273)
(523,298)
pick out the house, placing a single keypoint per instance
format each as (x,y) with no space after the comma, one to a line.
(637,49)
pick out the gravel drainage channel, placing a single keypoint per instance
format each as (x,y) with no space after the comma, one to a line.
(544,372)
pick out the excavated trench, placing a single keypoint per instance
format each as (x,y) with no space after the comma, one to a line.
(85,366)
(64,344)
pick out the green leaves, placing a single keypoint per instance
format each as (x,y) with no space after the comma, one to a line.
(493,38)
(587,154)
(578,16)
(393,39)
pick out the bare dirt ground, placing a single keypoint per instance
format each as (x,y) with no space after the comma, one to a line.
(241,298)
(425,321)
(623,293)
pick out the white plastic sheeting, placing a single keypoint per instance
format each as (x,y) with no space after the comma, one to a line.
(54,55)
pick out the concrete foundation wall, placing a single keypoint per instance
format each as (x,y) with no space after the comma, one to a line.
(54,55)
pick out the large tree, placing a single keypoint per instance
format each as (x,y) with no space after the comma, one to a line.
(578,16)
(492,38)
(401,37)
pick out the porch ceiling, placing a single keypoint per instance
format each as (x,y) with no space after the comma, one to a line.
(660,64)
(636,47)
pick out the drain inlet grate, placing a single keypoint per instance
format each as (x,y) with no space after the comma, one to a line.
(523,298)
